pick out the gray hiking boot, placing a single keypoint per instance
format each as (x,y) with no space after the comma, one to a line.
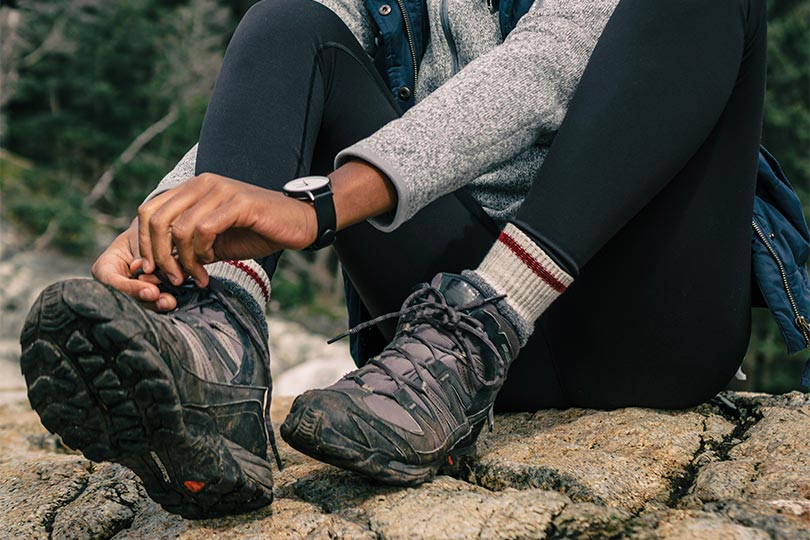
(180,398)
(422,402)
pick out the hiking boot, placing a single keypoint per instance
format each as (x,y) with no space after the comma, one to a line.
(421,403)
(180,398)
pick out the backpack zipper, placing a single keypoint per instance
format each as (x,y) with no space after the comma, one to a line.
(448,36)
(800,322)
(409,35)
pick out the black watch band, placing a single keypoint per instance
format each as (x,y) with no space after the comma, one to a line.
(327,221)
(318,191)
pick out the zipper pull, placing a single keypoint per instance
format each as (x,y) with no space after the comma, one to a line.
(804,327)
(491,418)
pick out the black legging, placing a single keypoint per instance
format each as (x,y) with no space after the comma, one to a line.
(647,190)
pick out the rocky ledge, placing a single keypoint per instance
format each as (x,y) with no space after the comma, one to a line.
(739,470)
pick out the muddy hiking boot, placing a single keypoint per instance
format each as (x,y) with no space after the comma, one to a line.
(180,398)
(421,403)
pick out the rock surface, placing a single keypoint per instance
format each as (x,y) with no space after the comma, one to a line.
(704,473)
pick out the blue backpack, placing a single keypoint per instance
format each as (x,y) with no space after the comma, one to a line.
(780,250)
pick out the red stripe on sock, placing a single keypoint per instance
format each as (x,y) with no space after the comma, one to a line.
(531,262)
(253,275)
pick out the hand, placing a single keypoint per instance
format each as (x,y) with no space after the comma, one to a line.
(211,218)
(117,265)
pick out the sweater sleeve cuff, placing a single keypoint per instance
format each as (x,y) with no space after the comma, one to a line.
(181,172)
(390,220)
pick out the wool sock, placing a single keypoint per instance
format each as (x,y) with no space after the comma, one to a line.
(520,269)
(246,280)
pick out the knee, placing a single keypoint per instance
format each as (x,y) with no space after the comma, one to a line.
(268,10)
(283,22)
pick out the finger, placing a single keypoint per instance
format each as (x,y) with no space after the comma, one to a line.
(166,302)
(163,301)
(207,230)
(145,212)
(163,220)
(150,278)
(118,276)
(185,232)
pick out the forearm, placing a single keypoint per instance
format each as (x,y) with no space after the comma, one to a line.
(360,192)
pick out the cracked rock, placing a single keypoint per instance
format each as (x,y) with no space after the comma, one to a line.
(107,505)
(693,525)
(578,474)
(763,480)
(588,521)
(32,491)
(451,509)
(286,519)
(778,446)
(776,518)
(624,458)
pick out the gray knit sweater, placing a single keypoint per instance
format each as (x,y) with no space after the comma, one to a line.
(491,124)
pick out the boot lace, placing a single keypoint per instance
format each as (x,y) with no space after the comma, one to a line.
(428,306)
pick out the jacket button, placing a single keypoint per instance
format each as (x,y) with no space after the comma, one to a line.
(385,9)
(404,93)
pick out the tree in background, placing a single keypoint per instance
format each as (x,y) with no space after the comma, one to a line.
(787,103)
(104,90)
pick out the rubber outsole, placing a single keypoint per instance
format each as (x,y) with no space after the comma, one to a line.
(96,378)
(303,430)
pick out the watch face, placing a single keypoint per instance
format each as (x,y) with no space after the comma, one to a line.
(306,184)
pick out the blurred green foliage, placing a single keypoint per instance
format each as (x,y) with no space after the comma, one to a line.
(93,76)
(786,130)
(90,77)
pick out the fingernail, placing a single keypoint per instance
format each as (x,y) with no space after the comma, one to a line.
(143,294)
(163,303)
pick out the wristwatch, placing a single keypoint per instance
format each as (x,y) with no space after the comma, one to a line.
(318,191)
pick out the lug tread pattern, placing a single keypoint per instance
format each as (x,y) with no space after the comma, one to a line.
(96,379)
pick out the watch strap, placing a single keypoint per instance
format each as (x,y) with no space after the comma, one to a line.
(325,215)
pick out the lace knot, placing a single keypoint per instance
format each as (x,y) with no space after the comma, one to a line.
(450,317)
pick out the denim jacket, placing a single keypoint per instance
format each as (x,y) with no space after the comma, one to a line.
(780,250)
(403,39)
(402,42)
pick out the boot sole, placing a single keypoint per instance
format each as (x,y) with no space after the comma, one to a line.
(302,429)
(95,377)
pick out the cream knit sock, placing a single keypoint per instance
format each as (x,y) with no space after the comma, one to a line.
(248,275)
(530,279)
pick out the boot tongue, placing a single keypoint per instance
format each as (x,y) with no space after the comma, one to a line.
(457,290)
